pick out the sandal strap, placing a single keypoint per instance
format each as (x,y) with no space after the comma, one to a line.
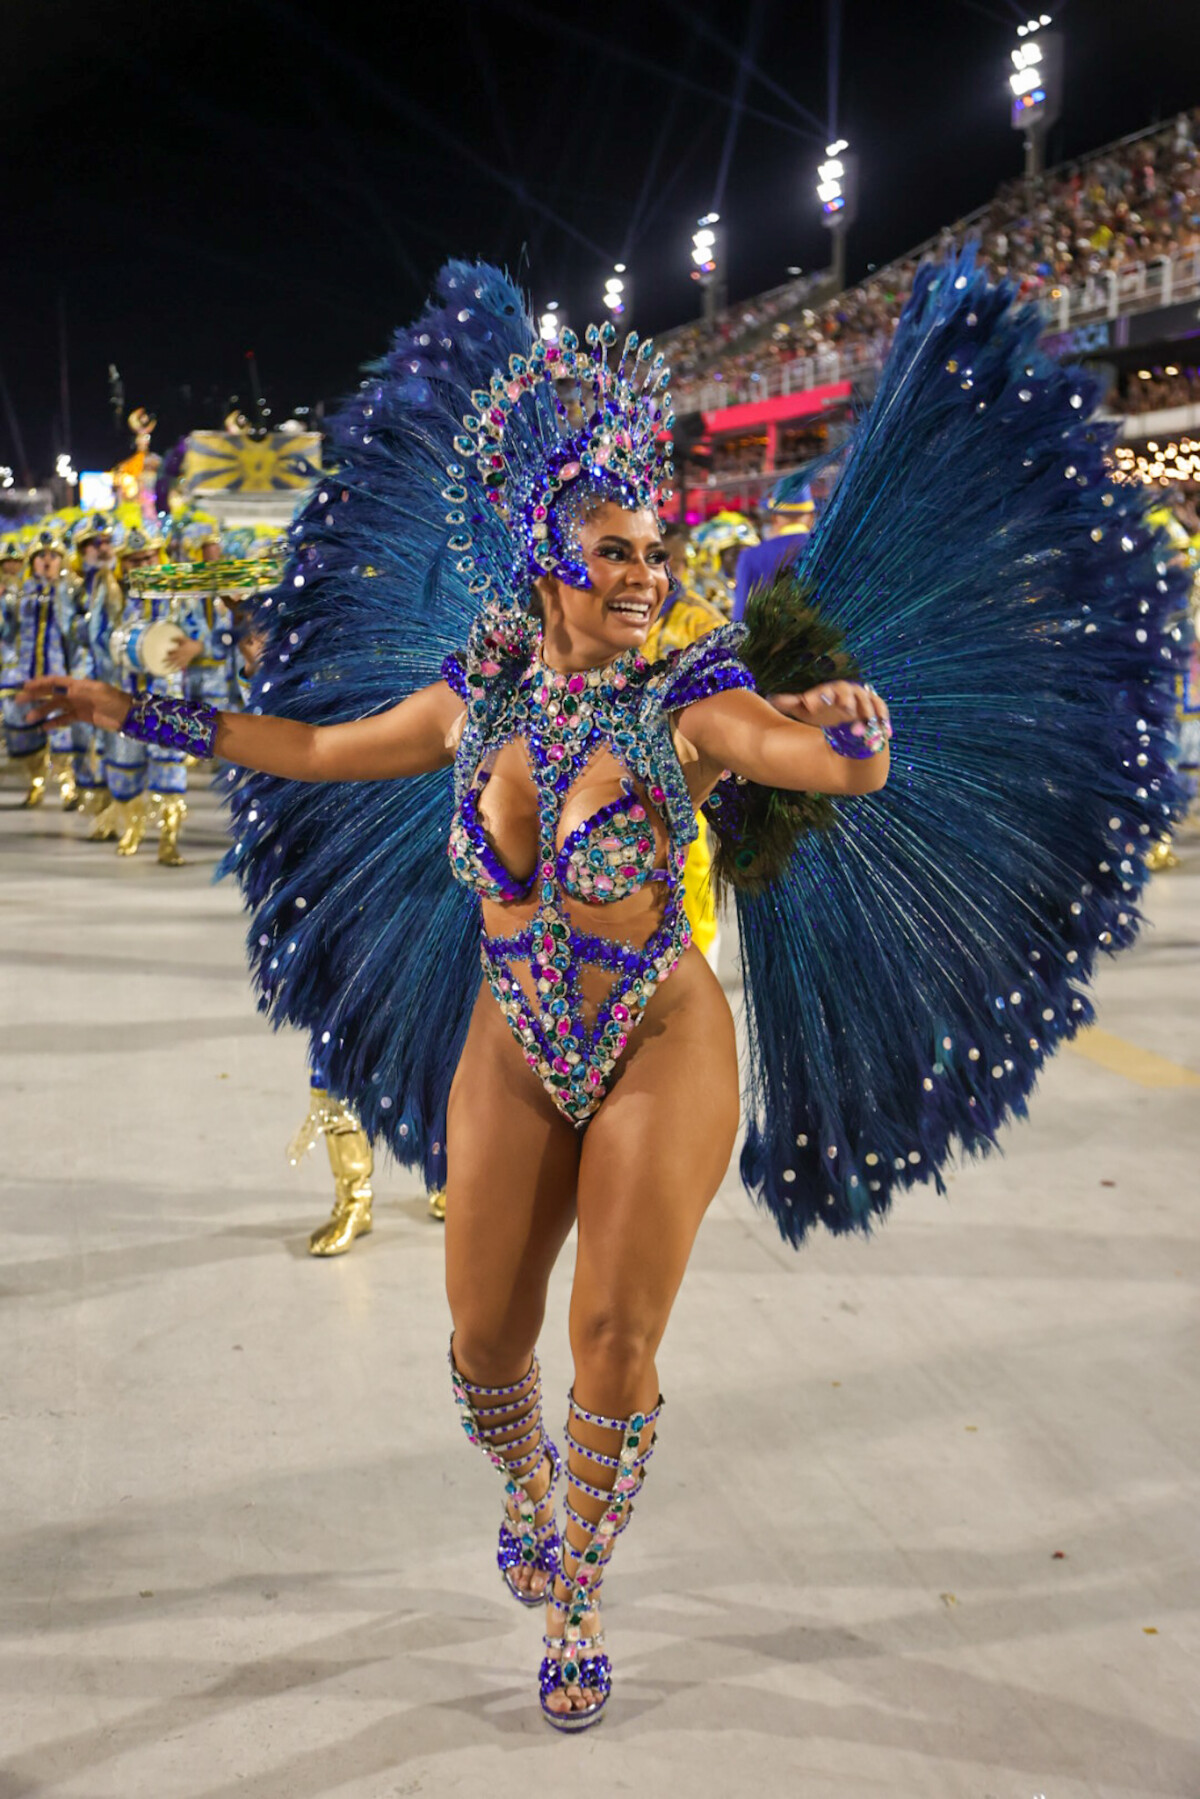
(581,1583)
(517,1457)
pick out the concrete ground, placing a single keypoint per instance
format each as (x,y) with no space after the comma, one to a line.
(923,1518)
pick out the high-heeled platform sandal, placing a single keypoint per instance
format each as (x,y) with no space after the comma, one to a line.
(488,1416)
(573,1659)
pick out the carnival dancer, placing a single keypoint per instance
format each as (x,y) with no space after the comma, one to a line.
(94,548)
(37,645)
(715,548)
(12,566)
(146,781)
(683,621)
(911,954)
(787,527)
(106,606)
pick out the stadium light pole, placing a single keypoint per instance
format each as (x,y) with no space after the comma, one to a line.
(1036,84)
(837,190)
(705,262)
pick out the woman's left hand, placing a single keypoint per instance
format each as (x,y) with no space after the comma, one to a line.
(834,703)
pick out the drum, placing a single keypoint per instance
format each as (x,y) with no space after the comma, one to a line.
(145,648)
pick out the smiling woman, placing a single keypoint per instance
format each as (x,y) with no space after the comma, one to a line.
(483,659)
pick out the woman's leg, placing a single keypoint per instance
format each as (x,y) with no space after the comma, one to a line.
(652,1160)
(513,1162)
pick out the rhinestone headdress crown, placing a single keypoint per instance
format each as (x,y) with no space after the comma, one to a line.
(558,416)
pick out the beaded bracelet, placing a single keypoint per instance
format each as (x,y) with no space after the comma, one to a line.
(862,739)
(187,725)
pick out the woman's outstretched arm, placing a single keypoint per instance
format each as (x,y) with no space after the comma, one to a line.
(773,741)
(409,739)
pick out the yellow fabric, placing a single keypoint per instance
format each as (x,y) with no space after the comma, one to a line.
(686,619)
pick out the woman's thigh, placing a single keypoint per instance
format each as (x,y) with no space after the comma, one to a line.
(512,1164)
(653,1157)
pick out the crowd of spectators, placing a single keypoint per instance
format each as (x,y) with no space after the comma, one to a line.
(1109,213)
(1157,390)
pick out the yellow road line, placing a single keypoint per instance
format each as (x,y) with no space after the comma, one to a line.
(1139,1065)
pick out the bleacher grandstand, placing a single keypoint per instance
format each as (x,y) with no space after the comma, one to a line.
(1108,245)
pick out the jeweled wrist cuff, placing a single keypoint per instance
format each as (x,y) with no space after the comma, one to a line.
(187,725)
(858,741)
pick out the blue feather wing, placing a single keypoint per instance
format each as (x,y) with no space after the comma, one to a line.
(359,936)
(907,977)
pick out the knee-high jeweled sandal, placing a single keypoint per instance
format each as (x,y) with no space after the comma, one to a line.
(574,1660)
(506,1423)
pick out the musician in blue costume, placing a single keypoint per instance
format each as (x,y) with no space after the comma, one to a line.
(12,573)
(93,543)
(37,644)
(455,653)
(147,780)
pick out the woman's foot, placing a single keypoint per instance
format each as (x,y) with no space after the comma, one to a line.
(528,1580)
(576,1675)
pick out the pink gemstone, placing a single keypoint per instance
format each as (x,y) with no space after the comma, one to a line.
(561,1066)
(513,390)
(619,681)
(637,814)
(563,1027)
(576,684)
(568,471)
(496,416)
(608,843)
(539,512)
(547,871)
(603,453)
(657,795)
(626,1483)
(489,668)
(532,1061)
(604,883)
(593,1078)
(620,1013)
(556,752)
(621,1042)
(496,461)
(643,844)
(629,872)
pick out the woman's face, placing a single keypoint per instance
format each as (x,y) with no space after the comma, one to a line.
(627,566)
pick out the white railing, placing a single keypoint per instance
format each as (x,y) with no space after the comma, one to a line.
(1116,293)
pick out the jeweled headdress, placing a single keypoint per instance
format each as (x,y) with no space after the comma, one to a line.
(558,426)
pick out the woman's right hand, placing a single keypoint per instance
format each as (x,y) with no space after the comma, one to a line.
(61,699)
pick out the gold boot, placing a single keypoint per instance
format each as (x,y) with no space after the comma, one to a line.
(437,1205)
(62,771)
(131,823)
(95,801)
(106,827)
(352,1163)
(174,811)
(39,762)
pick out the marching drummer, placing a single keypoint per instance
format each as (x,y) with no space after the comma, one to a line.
(149,652)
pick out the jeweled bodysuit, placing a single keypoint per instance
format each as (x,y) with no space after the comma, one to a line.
(566,721)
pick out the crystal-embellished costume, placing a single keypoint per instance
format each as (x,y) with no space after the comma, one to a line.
(565,722)
(909,966)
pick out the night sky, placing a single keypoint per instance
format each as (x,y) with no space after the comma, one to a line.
(188,182)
